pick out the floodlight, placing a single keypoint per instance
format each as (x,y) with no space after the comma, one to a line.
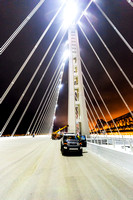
(70,13)
(66,55)
(60,86)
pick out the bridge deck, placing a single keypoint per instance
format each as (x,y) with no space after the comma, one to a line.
(34,169)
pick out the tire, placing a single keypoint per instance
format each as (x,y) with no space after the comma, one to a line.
(80,152)
(63,152)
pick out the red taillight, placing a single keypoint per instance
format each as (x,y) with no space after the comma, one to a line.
(80,143)
(65,143)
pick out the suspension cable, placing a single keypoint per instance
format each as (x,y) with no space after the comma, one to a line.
(48,112)
(28,58)
(33,76)
(85,10)
(100,98)
(97,102)
(47,106)
(90,126)
(60,79)
(20,99)
(130,2)
(119,67)
(25,111)
(50,91)
(58,93)
(48,109)
(94,110)
(54,102)
(92,103)
(51,81)
(47,101)
(91,112)
(106,72)
(114,27)
(20,27)
(92,122)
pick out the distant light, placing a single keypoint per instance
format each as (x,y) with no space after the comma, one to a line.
(60,86)
(56,106)
(54,117)
(61,73)
(70,13)
(66,55)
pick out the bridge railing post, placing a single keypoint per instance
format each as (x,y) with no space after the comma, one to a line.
(124,142)
(113,142)
(131,147)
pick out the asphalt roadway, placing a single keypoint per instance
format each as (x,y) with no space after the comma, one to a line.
(34,169)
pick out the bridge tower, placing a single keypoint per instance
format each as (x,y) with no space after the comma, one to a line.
(77,112)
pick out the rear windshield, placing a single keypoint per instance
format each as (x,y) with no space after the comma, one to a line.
(70,137)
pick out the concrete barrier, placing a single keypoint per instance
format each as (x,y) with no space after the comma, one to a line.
(123,159)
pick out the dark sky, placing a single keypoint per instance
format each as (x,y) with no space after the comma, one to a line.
(15,11)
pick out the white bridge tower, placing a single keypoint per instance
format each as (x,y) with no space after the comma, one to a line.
(77,112)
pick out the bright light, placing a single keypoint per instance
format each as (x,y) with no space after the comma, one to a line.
(54,117)
(63,64)
(66,55)
(60,86)
(56,106)
(79,23)
(70,12)
(67,43)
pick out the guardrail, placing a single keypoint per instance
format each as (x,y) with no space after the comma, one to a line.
(124,142)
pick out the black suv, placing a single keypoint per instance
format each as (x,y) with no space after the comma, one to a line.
(70,143)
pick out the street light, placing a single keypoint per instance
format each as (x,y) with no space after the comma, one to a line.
(60,86)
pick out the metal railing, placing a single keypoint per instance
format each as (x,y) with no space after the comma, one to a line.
(121,142)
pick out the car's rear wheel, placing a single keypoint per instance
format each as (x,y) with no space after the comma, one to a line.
(80,152)
(63,151)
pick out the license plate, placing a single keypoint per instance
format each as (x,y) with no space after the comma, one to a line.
(73,148)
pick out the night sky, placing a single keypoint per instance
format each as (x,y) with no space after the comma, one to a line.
(15,11)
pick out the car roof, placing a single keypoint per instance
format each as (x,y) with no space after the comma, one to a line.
(69,134)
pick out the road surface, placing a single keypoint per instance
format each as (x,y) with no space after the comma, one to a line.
(34,169)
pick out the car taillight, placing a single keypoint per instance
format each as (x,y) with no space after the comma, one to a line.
(65,143)
(80,143)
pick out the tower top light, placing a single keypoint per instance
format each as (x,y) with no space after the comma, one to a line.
(70,12)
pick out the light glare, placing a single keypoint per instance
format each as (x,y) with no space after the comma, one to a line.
(66,55)
(60,86)
(70,13)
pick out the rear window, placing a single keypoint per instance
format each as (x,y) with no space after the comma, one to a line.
(70,137)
